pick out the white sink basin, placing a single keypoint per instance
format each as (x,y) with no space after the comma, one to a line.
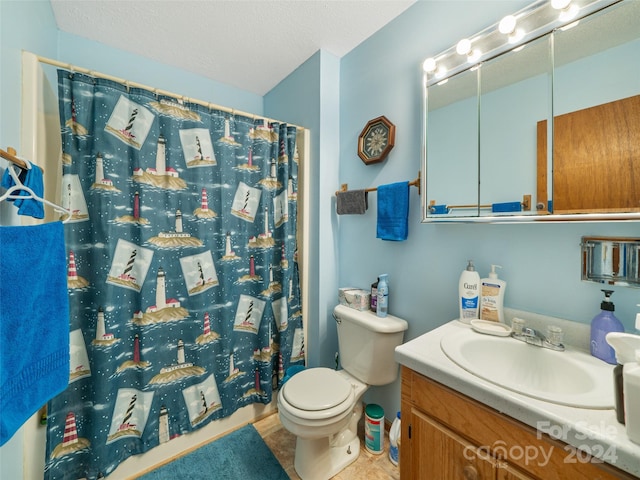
(570,378)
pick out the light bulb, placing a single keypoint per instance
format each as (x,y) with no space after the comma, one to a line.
(560,4)
(474,56)
(569,13)
(429,65)
(516,36)
(464,46)
(507,25)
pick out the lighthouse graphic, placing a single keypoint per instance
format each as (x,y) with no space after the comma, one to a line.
(199,272)
(197,147)
(73,279)
(161,175)
(203,211)
(163,425)
(179,370)
(103,338)
(264,239)
(130,122)
(207,335)
(202,400)
(130,265)
(271,182)
(135,216)
(71,442)
(228,138)
(177,238)
(249,314)
(137,361)
(229,254)
(130,414)
(280,209)
(245,202)
(161,294)
(101,182)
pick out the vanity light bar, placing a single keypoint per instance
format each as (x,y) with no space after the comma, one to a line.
(513,31)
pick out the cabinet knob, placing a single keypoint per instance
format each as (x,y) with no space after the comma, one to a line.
(470,473)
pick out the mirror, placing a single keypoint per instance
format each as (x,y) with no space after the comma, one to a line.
(596,109)
(452,145)
(488,130)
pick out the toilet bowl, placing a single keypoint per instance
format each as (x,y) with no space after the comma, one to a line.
(322,407)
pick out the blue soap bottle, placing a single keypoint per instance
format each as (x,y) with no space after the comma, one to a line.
(383,296)
(603,323)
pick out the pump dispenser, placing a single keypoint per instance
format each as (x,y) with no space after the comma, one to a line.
(492,296)
(603,323)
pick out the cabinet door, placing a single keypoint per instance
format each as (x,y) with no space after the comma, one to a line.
(446,455)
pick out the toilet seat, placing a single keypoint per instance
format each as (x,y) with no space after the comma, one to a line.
(316,389)
(318,395)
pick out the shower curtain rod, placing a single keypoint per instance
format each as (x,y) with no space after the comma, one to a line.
(156,91)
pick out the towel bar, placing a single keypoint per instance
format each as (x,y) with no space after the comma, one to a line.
(413,183)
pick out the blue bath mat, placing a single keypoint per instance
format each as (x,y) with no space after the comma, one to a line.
(239,455)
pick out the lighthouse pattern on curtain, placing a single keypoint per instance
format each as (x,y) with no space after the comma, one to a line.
(182,270)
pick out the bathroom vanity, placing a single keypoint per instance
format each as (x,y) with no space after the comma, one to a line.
(456,424)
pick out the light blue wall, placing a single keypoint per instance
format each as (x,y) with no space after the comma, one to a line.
(541,261)
(24,26)
(309,97)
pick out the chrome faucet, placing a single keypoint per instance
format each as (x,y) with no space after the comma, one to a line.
(553,339)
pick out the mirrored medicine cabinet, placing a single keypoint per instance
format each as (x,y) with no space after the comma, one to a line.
(546,127)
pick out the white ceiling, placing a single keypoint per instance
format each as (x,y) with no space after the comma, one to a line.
(248,44)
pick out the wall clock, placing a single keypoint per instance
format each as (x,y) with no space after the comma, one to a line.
(376,140)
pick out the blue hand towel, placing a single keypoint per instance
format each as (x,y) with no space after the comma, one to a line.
(393,211)
(31,178)
(34,321)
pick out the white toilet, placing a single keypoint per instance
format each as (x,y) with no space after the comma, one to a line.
(322,406)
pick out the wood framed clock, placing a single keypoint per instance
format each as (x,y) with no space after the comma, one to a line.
(376,140)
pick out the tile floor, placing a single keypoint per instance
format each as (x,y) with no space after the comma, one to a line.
(282,443)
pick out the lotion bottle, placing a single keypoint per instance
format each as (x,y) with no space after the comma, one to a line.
(492,296)
(383,296)
(469,293)
(603,323)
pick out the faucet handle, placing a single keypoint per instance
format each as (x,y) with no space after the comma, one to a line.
(555,335)
(517,324)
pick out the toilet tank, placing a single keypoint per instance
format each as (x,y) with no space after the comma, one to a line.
(366,344)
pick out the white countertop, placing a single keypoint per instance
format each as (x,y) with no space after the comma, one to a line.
(594,431)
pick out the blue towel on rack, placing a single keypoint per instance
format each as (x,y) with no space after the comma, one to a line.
(34,321)
(31,178)
(393,211)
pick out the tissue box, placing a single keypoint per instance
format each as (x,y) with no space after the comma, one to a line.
(355,298)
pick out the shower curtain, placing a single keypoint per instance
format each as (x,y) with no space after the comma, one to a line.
(182,270)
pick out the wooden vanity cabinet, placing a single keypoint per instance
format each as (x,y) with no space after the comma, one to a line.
(449,436)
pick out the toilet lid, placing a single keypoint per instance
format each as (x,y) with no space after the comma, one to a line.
(316,389)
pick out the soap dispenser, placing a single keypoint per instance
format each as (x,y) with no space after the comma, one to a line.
(492,297)
(603,323)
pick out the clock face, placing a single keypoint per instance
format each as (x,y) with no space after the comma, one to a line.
(376,140)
